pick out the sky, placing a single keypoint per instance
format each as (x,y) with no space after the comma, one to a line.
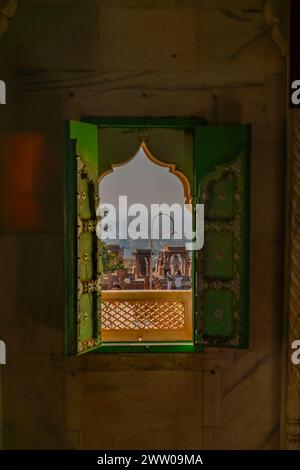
(142,181)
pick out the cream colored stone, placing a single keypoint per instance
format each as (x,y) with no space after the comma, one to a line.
(74,399)
(31,267)
(32,403)
(228,70)
(72,439)
(212,401)
(4,24)
(267,206)
(148,39)
(158,410)
(251,409)
(266,297)
(238,41)
(49,36)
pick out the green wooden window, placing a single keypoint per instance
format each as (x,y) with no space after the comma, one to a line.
(221,169)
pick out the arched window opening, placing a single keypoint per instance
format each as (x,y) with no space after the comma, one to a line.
(145,223)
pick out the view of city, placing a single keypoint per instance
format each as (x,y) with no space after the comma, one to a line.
(169,269)
(145,264)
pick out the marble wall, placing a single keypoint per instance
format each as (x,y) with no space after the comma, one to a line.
(213,59)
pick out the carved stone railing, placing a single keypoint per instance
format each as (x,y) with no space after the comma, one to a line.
(159,315)
(293,297)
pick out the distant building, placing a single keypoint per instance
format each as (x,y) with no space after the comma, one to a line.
(175,258)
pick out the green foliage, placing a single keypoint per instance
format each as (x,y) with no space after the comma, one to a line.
(109,260)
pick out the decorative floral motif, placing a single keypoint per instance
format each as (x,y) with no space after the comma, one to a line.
(86,231)
(8,9)
(217,225)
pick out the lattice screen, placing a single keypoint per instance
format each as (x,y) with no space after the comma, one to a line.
(142,314)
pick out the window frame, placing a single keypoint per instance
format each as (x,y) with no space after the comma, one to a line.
(191,125)
(188,124)
(172,123)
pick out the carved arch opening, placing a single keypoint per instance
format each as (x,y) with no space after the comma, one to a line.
(172,167)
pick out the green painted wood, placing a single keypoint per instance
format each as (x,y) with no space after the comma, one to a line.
(222,175)
(70,242)
(138,122)
(220,203)
(218,255)
(221,169)
(83,265)
(149,348)
(86,137)
(218,307)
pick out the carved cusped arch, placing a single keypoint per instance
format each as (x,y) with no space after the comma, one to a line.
(172,167)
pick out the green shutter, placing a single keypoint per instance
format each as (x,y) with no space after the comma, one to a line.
(83,260)
(222,170)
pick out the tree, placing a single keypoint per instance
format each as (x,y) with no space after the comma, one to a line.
(110,260)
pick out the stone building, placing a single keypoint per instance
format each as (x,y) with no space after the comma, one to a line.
(223,61)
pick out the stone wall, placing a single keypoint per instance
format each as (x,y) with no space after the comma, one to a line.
(61,59)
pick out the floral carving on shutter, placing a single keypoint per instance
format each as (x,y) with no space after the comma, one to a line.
(218,299)
(88,262)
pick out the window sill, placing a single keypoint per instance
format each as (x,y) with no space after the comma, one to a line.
(214,359)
